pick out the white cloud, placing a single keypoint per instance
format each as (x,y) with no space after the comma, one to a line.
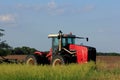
(52,5)
(7,18)
(52,8)
(55,9)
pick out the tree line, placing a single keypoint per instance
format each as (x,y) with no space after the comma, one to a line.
(17,51)
(108,54)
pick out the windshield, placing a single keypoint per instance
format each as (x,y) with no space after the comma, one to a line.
(66,41)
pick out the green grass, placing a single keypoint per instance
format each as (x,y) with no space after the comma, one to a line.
(68,72)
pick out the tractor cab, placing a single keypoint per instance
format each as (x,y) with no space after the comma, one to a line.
(60,41)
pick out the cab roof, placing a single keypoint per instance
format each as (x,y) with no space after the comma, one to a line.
(63,35)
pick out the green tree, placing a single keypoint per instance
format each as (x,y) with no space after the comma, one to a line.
(23,50)
(4,47)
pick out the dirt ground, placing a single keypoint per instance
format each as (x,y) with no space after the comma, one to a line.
(109,62)
(109,59)
(18,57)
(106,59)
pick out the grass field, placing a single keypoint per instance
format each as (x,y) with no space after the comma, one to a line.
(105,69)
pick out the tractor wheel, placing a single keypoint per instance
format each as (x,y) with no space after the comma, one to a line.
(58,60)
(31,60)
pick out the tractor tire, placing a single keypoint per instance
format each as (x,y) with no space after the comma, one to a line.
(31,60)
(58,60)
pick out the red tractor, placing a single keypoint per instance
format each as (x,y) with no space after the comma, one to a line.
(63,51)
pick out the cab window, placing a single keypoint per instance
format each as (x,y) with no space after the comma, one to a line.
(55,41)
(71,41)
(66,41)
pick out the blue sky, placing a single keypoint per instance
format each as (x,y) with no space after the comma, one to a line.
(28,22)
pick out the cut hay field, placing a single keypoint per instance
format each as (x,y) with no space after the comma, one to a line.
(106,68)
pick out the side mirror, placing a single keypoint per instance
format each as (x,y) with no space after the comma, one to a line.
(87,39)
